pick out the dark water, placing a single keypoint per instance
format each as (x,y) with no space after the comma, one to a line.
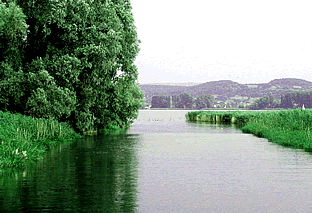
(164,164)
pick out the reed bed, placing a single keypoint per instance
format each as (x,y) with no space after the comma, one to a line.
(24,139)
(285,127)
(235,117)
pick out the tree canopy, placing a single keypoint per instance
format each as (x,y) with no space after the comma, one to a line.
(184,100)
(204,101)
(265,102)
(71,61)
(297,98)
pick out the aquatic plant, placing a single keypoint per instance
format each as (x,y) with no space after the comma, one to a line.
(23,138)
(284,127)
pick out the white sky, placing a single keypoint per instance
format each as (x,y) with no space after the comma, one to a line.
(245,41)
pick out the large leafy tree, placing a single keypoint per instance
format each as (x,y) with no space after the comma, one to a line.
(290,100)
(265,102)
(13,30)
(76,62)
(204,101)
(185,100)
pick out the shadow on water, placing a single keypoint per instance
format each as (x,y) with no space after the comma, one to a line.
(94,174)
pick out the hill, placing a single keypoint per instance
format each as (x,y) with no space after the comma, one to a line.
(226,90)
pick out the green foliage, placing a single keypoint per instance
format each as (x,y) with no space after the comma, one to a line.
(241,105)
(237,97)
(285,127)
(161,101)
(296,99)
(76,63)
(265,102)
(13,30)
(240,117)
(185,100)
(24,139)
(204,101)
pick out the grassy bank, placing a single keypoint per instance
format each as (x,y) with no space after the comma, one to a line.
(24,139)
(284,127)
(234,117)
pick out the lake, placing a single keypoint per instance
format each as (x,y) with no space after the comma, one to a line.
(164,164)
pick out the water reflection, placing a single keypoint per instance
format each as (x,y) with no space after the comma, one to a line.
(96,174)
(182,127)
(158,121)
(164,165)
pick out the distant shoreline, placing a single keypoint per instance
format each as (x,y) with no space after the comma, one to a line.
(214,109)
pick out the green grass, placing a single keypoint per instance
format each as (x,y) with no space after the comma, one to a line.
(168,109)
(24,139)
(252,86)
(237,117)
(237,97)
(252,100)
(285,127)
(272,88)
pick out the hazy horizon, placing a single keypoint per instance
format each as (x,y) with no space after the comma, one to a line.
(243,41)
(194,83)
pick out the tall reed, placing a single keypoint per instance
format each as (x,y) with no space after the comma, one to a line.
(24,139)
(285,127)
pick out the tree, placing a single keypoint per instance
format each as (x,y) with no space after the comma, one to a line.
(204,101)
(161,101)
(185,100)
(265,102)
(76,63)
(242,105)
(13,30)
(296,99)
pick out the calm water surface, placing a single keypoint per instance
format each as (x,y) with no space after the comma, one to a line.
(164,164)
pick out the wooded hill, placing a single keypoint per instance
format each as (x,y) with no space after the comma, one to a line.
(226,90)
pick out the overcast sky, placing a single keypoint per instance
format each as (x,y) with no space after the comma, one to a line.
(208,40)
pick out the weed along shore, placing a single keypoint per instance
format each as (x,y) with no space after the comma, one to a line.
(233,117)
(285,127)
(24,139)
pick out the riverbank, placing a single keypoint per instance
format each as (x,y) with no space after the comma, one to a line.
(24,139)
(215,109)
(285,127)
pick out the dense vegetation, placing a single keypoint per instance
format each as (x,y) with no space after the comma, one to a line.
(236,117)
(285,127)
(24,139)
(204,101)
(184,101)
(70,61)
(297,98)
(230,93)
(265,102)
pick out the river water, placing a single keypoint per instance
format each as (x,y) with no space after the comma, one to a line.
(164,164)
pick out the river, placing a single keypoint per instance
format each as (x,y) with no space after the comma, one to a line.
(164,164)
